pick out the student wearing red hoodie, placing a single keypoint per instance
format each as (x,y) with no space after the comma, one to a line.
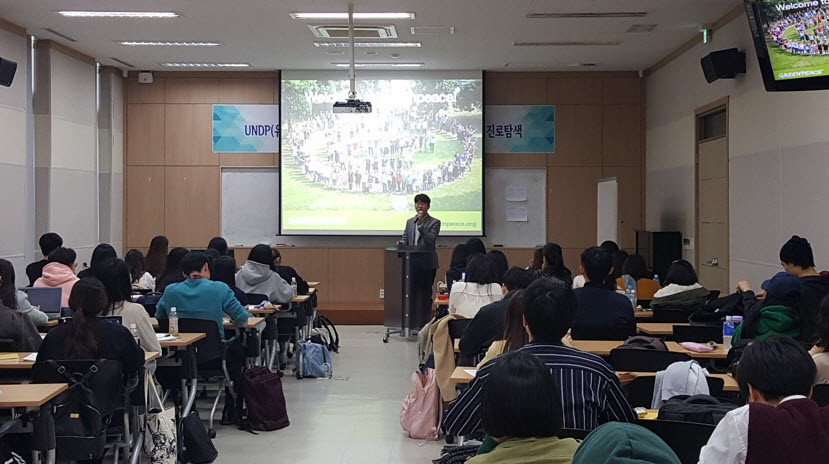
(60,272)
(780,423)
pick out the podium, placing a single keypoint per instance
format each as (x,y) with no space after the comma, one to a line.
(405,308)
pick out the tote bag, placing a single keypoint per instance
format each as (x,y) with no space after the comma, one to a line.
(160,439)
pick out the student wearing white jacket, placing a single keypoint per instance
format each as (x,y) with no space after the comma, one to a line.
(480,288)
(256,276)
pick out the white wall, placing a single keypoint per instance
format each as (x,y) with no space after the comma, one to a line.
(13,157)
(778,149)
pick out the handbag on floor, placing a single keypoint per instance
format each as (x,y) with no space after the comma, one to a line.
(159,445)
(316,360)
(265,400)
(197,447)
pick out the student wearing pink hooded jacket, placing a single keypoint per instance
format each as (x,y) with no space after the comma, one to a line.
(60,272)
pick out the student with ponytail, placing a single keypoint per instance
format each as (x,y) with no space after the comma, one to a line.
(87,336)
(602,313)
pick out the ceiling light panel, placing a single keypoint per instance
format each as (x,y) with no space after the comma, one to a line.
(169,44)
(368,44)
(380,65)
(120,14)
(315,16)
(588,15)
(204,65)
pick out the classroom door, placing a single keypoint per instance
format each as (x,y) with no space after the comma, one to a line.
(712,198)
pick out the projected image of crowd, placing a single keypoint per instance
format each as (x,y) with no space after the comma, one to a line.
(812,29)
(377,153)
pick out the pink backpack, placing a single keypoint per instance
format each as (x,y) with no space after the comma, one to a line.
(422,411)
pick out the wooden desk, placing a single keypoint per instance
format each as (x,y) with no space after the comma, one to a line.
(151,356)
(603,348)
(16,364)
(250,324)
(729,382)
(183,340)
(658,328)
(29,395)
(262,311)
(457,345)
(312,290)
(459,375)
(642,314)
(300,299)
(314,284)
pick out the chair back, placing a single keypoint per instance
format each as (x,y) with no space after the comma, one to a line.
(102,376)
(48,298)
(583,332)
(698,333)
(208,348)
(640,390)
(678,314)
(457,327)
(256,298)
(686,439)
(625,360)
(820,394)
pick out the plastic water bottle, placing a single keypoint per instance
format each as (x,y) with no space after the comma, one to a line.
(134,331)
(294,286)
(631,294)
(173,322)
(656,279)
(727,333)
(463,277)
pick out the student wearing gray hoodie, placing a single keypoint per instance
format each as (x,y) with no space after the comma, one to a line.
(256,276)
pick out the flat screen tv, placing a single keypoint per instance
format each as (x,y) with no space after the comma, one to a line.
(792,41)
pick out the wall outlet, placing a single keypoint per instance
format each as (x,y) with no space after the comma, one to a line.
(382,293)
(688,243)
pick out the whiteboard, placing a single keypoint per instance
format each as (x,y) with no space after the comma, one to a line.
(607,213)
(499,231)
(250,206)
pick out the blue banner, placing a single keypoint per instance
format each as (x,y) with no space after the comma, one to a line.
(520,129)
(246,129)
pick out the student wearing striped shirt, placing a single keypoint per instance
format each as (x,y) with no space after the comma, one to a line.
(588,387)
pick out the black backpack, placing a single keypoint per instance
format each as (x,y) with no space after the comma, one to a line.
(264,400)
(640,342)
(196,445)
(702,409)
(322,322)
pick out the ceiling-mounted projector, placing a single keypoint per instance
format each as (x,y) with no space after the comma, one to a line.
(352,106)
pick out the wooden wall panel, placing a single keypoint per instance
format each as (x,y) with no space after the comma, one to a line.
(577,140)
(572,259)
(145,93)
(191,206)
(622,136)
(515,160)
(248,159)
(192,90)
(355,275)
(621,91)
(144,214)
(312,264)
(515,91)
(630,206)
(571,206)
(246,91)
(188,135)
(574,91)
(519,257)
(145,134)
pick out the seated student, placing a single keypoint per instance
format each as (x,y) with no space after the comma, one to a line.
(457,265)
(780,424)
(619,443)
(611,247)
(619,259)
(87,336)
(172,272)
(156,260)
(17,331)
(554,267)
(589,390)
(475,246)
(219,244)
(256,276)
(48,243)
(499,260)
(521,411)
(115,276)
(100,255)
(514,335)
(681,289)
(287,272)
(224,270)
(139,278)
(488,325)
(15,299)
(636,268)
(820,353)
(60,272)
(198,297)
(602,313)
(479,289)
(538,260)
(797,259)
(776,314)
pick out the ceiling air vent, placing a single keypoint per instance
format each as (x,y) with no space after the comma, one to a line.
(340,31)
(62,36)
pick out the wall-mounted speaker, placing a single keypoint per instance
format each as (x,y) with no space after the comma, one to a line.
(724,64)
(7,70)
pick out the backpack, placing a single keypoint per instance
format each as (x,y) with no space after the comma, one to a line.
(640,342)
(325,333)
(421,411)
(732,358)
(196,445)
(316,361)
(265,400)
(702,409)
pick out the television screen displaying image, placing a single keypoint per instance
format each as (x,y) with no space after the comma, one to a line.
(792,41)
(357,174)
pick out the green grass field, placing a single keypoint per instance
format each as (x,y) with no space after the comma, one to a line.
(784,62)
(300,194)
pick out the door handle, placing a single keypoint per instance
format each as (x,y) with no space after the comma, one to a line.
(713,262)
